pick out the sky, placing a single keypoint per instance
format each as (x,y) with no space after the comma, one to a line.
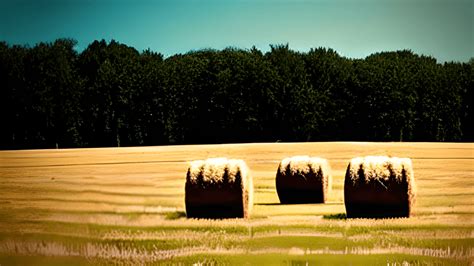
(442,29)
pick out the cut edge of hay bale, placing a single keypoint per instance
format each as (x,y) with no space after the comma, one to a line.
(235,166)
(293,169)
(377,177)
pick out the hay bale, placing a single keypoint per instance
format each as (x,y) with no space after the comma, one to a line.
(379,187)
(218,188)
(303,179)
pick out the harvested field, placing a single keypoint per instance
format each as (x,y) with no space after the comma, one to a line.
(86,206)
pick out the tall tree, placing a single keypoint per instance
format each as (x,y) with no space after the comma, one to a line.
(293,94)
(50,97)
(147,125)
(111,72)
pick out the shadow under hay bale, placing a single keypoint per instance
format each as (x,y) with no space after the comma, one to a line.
(337,216)
(174,215)
(218,188)
(303,179)
(379,187)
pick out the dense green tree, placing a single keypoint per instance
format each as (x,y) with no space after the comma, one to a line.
(467,109)
(329,76)
(112,95)
(390,96)
(456,112)
(293,96)
(148,106)
(184,88)
(112,72)
(12,96)
(43,87)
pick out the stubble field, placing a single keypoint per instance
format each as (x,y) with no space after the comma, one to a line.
(126,205)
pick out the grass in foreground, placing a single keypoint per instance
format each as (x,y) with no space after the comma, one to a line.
(248,259)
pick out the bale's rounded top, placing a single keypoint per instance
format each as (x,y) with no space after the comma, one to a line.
(194,170)
(234,166)
(218,170)
(214,170)
(303,164)
(380,167)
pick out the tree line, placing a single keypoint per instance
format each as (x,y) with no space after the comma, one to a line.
(110,94)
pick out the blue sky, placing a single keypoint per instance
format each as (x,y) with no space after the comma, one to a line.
(355,28)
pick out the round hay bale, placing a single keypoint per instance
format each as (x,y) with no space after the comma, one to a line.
(379,187)
(218,188)
(303,179)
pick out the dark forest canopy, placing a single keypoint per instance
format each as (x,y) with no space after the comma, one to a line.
(112,95)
